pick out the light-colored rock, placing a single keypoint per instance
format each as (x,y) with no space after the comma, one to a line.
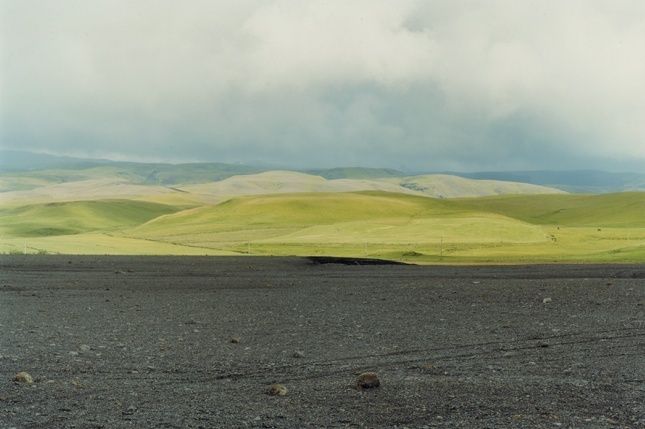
(23,377)
(277,390)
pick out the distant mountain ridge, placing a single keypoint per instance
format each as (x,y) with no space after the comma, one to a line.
(59,169)
(356,173)
(572,181)
(268,182)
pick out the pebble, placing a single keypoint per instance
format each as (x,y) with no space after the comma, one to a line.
(85,348)
(367,380)
(23,377)
(235,340)
(298,354)
(277,390)
(546,300)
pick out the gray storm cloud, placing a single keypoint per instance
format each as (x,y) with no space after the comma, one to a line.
(441,84)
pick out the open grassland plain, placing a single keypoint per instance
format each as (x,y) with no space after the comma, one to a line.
(196,342)
(411,228)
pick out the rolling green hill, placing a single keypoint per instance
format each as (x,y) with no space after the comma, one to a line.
(293,211)
(534,228)
(405,227)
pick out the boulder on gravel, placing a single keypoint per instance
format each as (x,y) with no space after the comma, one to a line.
(235,340)
(367,380)
(277,390)
(23,377)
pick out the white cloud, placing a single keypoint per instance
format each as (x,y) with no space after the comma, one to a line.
(290,77)
(326,42)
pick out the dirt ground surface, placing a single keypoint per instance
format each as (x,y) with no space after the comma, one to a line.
(183,342)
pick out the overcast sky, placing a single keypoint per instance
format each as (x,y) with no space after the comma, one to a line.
(434,85)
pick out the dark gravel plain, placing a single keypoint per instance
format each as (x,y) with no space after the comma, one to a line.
(143,342)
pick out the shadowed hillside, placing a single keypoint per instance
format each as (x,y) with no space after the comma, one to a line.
(77,217)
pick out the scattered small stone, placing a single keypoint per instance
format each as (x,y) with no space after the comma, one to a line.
(235,340)
(85,348)
(23,377)
(298,354)
(277,390)
(367,380)
(546,300)
(130,410)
